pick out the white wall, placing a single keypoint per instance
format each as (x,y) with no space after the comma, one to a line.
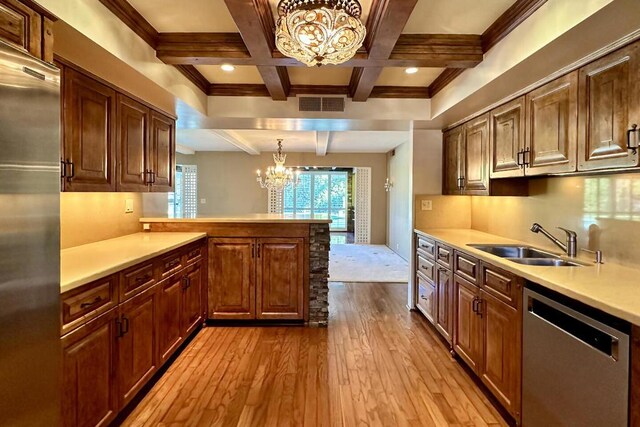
(398,198)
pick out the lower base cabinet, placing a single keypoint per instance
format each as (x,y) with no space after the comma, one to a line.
(109,359)
(468,324)
(426,298)
(89,384)
(444,312)
(137,350)
(257,278)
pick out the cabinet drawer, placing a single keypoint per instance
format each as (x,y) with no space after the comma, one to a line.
(466,266)
(84,303)
(444,255)
(426,299)
(426,246)
(169,264)
(505,286)
(426,267)
(194,254)
(136,279)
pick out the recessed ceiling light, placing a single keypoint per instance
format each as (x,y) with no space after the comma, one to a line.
(227,67)
(411,70)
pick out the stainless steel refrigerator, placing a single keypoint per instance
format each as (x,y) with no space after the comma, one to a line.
(30,352)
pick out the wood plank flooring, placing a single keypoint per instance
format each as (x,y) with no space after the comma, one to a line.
(376,364)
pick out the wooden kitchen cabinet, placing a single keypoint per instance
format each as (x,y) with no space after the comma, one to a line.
(89,384)
(111,141)
(232,278)
(453,152)
(137,348)
(169,316)
(133,136)
(426,298)
(89,129)
(609,103)
(507,135)
(445,296)
(280,274)
(501,364)
(468,330)
(162,149)
(475,179)
(192,298)
(27,26)
(552,127)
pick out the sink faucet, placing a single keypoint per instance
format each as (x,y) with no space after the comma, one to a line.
(570,248)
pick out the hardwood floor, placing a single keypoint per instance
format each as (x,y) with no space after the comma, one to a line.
(376,364)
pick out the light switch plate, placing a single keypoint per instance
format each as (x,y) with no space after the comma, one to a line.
(128,206)
(426,205)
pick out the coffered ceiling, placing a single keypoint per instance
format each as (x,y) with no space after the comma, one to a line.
(440,37)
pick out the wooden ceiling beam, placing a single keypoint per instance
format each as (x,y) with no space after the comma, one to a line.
(386,21)
(501,27)
(257,28)
(408,92)
(132,19)
(190,72)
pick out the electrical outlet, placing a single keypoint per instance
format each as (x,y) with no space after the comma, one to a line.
(128,206)
(203,201)
(426,205)
(146,226)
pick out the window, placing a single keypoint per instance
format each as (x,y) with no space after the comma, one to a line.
(183,203)
(319,195)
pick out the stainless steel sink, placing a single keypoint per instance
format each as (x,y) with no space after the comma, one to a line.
(549,262)
(514,251)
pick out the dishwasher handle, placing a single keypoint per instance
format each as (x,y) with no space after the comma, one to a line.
(577,328)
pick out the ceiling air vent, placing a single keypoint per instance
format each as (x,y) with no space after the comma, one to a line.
(314,103)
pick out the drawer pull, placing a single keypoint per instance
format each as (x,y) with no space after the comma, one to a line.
(425,247)
(173,264)
(424,298)
(91,303)
(143,279)
(194,254)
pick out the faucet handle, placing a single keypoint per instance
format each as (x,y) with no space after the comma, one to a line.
(570,233)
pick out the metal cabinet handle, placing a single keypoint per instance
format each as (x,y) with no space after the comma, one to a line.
(186,283)
(123,326)
(526,157)
(479,307)
(143,279)
(634,129)
(73,170)
(63,169)
(474,305)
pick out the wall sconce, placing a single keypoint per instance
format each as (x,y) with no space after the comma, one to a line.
(387,185)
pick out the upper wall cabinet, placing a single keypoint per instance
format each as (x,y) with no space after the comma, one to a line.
(552,132)
(507,126)
(475,180)
(112,142)
(27,26)
(453,151)
(88,117)
(609,93)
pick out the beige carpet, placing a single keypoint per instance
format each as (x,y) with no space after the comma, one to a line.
(366,263)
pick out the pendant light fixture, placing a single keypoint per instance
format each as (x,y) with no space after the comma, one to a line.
(319,32)
(278,177)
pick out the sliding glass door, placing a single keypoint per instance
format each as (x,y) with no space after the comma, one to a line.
(319,195)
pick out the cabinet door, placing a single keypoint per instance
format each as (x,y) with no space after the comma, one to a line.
(162,152)
(280,284)
(21,26)
(476,157)
(89,133)
(501,365)
(444,312)
(232,278)
(507,139)
(169,316)
(468,324)
(426,298)
(552,130)
(89,389)
(137,352)
(133,138)
(453,147)
(609,104)
(192,299)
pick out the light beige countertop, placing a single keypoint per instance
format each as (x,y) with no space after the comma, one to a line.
(245,218)
(80,265)
(612,288)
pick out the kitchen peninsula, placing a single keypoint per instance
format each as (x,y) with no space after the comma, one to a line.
(261,266)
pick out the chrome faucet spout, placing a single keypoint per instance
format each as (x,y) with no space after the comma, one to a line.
(570,248)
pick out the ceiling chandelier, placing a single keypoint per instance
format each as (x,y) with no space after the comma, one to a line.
(278,177)
(319,32)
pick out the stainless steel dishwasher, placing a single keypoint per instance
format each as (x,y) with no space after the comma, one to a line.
(575,363)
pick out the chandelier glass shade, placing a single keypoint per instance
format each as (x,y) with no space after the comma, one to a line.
(278,177)
(319,32)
